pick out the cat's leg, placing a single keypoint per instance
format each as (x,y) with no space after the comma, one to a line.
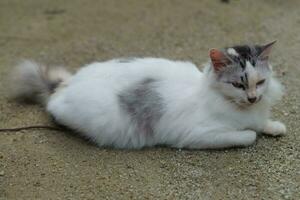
(215,140)
(274,128)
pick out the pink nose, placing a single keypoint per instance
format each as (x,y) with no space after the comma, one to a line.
(251,99)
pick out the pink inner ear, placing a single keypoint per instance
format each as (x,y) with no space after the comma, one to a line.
(219,60)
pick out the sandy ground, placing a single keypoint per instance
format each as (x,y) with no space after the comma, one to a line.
(45,164)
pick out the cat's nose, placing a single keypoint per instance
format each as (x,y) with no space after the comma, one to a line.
(251,99)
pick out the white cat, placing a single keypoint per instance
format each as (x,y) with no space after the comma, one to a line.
(141,102)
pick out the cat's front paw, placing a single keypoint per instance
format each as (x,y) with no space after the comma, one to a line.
(274,128)
(247,137)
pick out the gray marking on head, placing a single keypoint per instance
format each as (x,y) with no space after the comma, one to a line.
(243,53)
(246,81)
(143,104)
(242,79)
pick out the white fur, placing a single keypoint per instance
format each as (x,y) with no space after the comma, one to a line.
(232,51)
(195,113)
(274,128)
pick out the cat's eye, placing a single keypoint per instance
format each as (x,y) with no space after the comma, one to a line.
(260,82)
(238,85)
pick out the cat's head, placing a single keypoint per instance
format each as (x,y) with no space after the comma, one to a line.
(242,73)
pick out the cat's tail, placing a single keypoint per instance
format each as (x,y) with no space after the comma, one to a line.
(34,82)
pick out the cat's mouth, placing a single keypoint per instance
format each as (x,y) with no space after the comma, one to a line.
(244,103)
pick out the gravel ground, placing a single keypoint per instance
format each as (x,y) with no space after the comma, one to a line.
(43,164)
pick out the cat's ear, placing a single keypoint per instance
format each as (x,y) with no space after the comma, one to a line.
(218,59)
(266,50)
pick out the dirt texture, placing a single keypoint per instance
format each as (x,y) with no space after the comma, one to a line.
(42,164)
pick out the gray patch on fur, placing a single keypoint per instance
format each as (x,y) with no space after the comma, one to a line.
(126,60)
(143,104)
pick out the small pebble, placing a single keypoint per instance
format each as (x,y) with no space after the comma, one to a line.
(2,173)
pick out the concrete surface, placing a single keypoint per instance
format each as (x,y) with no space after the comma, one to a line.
(53,165)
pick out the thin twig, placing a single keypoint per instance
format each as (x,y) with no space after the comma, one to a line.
(30,127)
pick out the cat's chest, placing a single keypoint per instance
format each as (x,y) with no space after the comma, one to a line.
(246,119)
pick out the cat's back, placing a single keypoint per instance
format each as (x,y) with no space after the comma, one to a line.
(134,69)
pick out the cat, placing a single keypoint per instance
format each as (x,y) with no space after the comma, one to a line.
(142,102)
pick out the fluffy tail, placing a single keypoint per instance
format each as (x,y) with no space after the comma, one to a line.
(33,82)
